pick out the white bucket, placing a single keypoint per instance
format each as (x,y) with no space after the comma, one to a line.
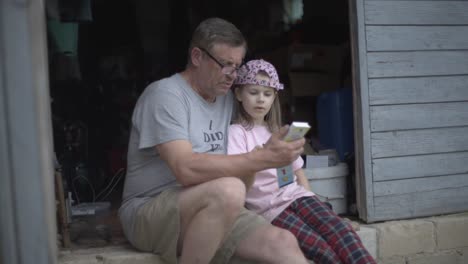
(329,184)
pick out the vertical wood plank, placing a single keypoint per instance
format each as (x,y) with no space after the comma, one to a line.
(365,195)
(27,120)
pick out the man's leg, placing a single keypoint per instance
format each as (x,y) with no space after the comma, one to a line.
(270,244)
(207,213)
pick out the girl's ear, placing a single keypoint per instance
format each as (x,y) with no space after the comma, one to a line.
(237,92)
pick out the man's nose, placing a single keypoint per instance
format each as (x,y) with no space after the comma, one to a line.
(231,76)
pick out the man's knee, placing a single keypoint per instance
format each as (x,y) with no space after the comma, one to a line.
(227,193)
(278,239)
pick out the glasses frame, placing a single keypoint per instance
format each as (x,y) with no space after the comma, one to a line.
(225,68)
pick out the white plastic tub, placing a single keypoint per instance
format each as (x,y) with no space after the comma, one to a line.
(329,184)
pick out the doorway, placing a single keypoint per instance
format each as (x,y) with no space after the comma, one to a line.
(100,61)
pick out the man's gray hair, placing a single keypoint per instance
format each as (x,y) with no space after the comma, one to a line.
(216,31)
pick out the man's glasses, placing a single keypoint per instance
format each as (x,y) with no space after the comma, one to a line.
(225,69)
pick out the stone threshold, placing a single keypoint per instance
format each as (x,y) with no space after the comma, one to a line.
(437,239)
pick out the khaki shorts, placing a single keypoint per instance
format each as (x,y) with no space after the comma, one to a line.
(157,229)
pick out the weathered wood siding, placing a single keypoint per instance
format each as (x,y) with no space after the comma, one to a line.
(414,87)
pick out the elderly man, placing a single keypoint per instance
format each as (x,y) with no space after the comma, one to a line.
(183,196)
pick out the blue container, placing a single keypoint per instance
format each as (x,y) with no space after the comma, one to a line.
(335,121)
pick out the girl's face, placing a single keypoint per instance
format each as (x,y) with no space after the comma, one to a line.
(256,100)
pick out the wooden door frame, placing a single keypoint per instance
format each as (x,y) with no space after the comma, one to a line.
(362,137)
(27,222)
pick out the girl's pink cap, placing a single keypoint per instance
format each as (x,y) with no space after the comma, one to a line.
(248,72)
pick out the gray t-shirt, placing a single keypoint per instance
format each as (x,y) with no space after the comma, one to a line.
(168,110)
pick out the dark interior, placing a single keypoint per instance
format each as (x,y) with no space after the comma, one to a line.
(103,53)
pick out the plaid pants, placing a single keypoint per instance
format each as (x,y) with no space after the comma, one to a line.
(323,236)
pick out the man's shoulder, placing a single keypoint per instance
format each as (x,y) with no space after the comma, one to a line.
(165,84)
(160,89)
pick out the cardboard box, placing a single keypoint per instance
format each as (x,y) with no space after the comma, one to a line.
(316,161)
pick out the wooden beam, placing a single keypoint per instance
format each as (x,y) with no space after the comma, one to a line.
(418,90)
(419,204)
(423,141)
(408,186)
(416,12)
(364,190)
(27,222)
(416,116)
(394,168)
(398,38)
(417,63)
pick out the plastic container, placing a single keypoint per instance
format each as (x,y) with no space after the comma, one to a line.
(329,184)
(97,208)
(335,121)
(90,223)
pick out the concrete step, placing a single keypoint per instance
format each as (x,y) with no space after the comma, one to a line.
(125,254)
(430,240)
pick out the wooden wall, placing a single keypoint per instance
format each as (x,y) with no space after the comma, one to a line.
(414,87)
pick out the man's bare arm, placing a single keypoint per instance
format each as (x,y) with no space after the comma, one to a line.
(193,168)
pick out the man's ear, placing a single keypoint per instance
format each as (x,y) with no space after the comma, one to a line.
(195,56)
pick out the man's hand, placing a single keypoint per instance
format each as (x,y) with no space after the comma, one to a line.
(250,179)
(280,152)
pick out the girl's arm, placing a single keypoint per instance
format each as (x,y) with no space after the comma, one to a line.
(302,179)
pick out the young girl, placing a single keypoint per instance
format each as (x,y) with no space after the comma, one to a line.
(323,236)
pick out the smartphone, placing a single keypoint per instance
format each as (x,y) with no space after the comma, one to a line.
(297,130)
